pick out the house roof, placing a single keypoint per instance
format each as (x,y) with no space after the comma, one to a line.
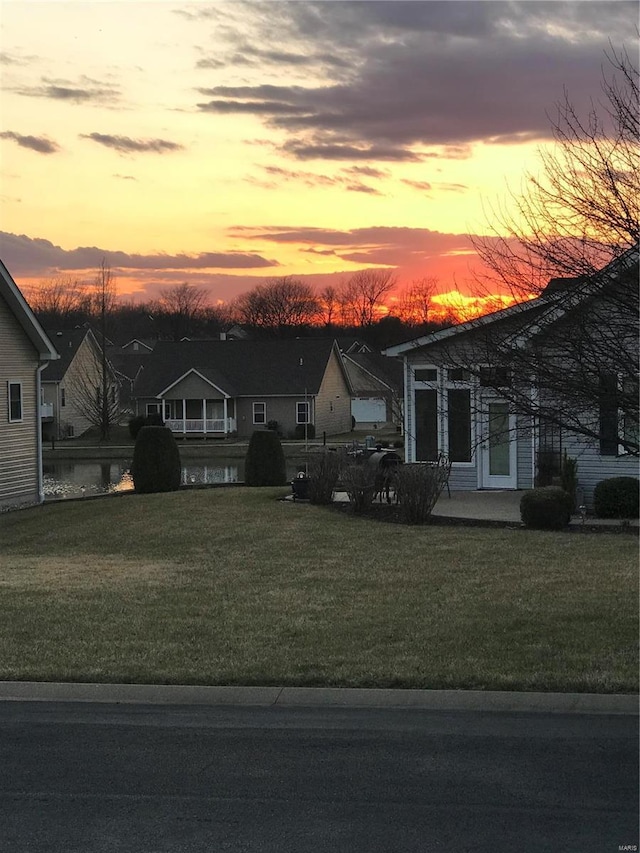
(389,371)
(146,343)
(67,343)
(25,316)
(240,368)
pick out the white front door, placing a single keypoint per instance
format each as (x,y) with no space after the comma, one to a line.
(499,447)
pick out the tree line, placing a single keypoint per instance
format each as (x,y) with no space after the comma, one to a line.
(282,307)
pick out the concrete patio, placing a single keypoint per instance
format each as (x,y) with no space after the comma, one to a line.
(494,506)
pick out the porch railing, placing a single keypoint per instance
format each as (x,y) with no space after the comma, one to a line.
(46,410)
(198,426)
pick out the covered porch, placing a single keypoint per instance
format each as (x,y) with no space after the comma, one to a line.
(199,416)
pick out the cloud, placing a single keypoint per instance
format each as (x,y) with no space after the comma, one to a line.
(40,144)
(426,186)
(38,257)
(421,79)
(343,179)
(391,246)
(126,145)
(84,91)
(315,150)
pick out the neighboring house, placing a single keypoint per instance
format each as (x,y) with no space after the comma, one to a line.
(377,383)
(468,397)
(217,388)
(137,346)
(71,385)
(351,346)
(24,351)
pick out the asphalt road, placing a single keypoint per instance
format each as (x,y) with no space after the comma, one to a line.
(81,778)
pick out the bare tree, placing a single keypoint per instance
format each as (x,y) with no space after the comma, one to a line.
(572,240)
(106,403)
(581,210)
(414,303)
(279,304)
(181,309)
(61,302)
(330,301)
(364,294)
(94,389)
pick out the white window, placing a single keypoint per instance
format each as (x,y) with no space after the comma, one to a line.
(302,412)
(14,399)
(153,408)
(443,414)
(259,413)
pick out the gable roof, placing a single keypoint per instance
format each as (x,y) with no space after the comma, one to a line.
(389,371)
(25,316)
(68,343)
(533,316)
(241,368)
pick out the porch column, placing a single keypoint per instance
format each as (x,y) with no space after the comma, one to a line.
(184,417)
(204,415)
(163,409)
(224,415)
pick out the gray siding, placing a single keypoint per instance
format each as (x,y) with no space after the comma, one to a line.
(19,474)
(525,452)
(592,467)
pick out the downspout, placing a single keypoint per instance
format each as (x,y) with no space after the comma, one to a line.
(39,370)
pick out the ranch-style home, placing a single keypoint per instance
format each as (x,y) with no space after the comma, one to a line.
(25,350)
(216,388)
(506,395)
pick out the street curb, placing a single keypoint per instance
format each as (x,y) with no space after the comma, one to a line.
(320,697)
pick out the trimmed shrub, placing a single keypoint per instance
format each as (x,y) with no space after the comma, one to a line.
(156,461)
(136,423)
(569,477)
(546,508)
(616,497)
(418,487)
(324,470)
(299,431)
(359,483)
(264,463)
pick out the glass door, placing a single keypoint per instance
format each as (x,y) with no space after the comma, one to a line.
(499,448)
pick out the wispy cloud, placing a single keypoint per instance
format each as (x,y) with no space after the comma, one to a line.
(39,144)
(344,179)
(81,92)
(127,145)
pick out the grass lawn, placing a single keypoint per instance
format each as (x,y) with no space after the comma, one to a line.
(231,586)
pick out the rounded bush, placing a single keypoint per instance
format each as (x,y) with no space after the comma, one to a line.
(136,423)
(156,461)
(616,497)
(264,463)
(546,508)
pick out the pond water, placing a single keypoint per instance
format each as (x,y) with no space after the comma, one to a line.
(77,478)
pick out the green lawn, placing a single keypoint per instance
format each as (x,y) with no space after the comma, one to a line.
(231,586)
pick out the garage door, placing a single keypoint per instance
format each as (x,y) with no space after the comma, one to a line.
(369,409)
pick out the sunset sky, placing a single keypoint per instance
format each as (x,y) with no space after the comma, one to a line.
(221,143)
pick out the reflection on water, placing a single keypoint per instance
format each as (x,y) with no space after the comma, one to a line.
(73,479)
